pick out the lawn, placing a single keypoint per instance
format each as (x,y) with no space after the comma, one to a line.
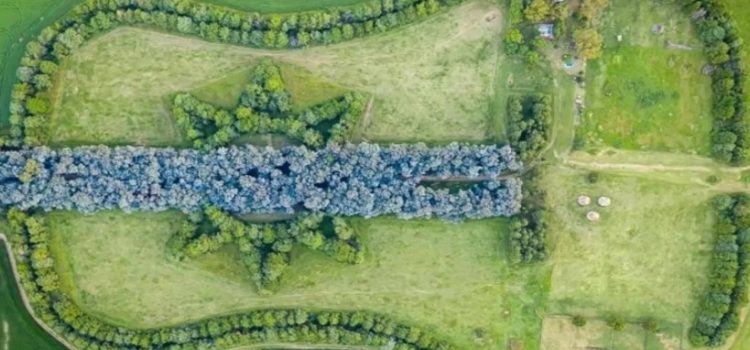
(451,278)
(18,331)
(21,20)
(280,6)
(432,81)
(648,256)
(643,94)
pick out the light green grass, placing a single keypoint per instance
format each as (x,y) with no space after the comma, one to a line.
(642,95)
(20,21)
(431,81)
(306,89)
(648,99)
(648,256)
(451,278)
(280,6)
(559,333)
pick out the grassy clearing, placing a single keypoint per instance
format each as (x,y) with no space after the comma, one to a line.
(648,256)
(21,20)
(643,95)
(560,333)
(18,331)
(432,81)
(280,6)
(307,90)
(453,279)
(648,99)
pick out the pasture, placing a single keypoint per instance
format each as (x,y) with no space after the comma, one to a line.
(647,256)
(646,93)
(451,278)
(19,22)
(422,77)
(18,331)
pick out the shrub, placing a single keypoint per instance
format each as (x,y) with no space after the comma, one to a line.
(593,177)
(579,321)
(617,323)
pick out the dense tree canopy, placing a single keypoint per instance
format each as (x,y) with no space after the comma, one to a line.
(351,180)
(719,314)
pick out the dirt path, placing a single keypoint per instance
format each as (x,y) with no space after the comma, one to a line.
(25,300)
(643,168)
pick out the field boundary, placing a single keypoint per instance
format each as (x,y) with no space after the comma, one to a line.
(25,299)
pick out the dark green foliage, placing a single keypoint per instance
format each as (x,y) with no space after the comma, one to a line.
(579,321)
(39,281)
(529,119)
(528,229)
(724,50)
(266,248)
(265,107)
(718,316)
(617,323)
(30,103)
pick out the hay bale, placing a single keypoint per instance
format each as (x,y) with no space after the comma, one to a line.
(604,201)
(593,216)
(584,200)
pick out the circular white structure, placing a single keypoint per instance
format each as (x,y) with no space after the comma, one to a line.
(584,200)
(593,216)
(604,201)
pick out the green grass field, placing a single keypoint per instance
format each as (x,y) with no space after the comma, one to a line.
(648,256)
(21,20)
(648,99)
(643,94)
(306,88)
(447,277)
(280,6)
(432,81)
(18,331)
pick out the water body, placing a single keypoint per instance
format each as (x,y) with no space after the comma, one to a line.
(18,331)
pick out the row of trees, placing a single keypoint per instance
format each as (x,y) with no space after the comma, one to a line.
(723,44)
(51,304)
(267,247)
(528,229)
(265,107)
(30,104)
(719,314)
(529,120)
(349,180)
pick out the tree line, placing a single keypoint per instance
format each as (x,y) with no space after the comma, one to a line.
(719,314)
(528,228)
(265,107)
(529,124)
(342,180)
(266,248)
(39,280)
(30,103)
(723,46)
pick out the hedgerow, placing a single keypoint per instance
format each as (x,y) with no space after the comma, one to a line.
(30,103)
(719,314)
(265,107)
(350,180)
(266,248)
(529,124)
(40,281)
(724,50)
(528,228)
